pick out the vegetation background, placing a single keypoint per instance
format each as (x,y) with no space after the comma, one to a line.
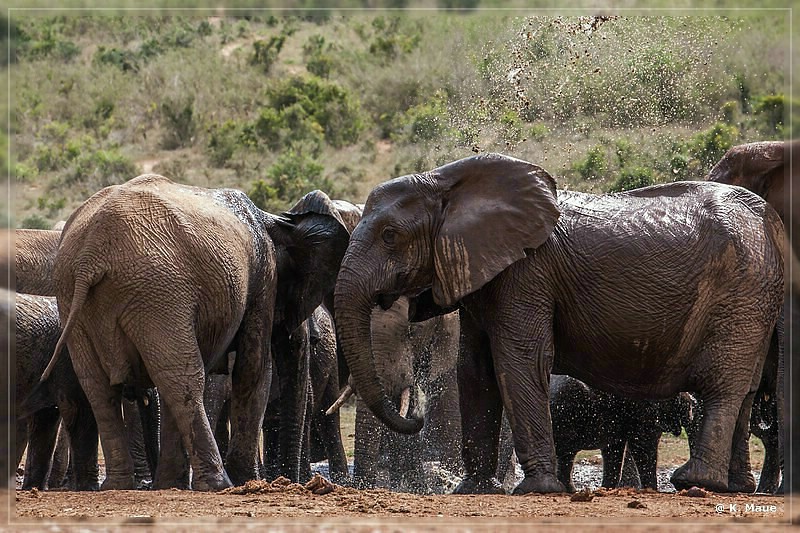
(277,102)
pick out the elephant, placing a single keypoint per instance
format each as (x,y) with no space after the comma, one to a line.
(646,293)
(765,168)
(418,371)
(35,253)
(40,408)
(586,419)
(158,282)
(320,430)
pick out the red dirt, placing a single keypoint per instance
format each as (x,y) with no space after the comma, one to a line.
(292,507)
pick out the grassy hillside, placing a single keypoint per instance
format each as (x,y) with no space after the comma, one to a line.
(278,105)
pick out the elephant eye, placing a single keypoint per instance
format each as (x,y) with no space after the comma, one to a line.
(389,236)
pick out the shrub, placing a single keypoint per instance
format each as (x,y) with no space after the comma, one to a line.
(24,173)
(426,121)
(594,165)
(101,168)
(265,53)
(222,142)
(309,108)
(770,109)
(289,178)
(36,222)
(708,147)
(125,60)
(177,118)
(632,178)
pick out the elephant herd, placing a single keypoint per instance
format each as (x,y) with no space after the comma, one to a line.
(473,309)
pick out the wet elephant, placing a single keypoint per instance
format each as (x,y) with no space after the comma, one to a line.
(609,289)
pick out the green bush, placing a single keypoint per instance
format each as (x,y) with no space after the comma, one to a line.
(265,53)
(771,112)
(125,60)
(289,178)
(708,147)
(177,118)
(594,165)
(391,38)
(101,168)
(36,222)
(426,121)
(309,108)
(222,143)
(632,178)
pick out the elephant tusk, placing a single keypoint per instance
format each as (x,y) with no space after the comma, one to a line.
(343,397)
(405,398)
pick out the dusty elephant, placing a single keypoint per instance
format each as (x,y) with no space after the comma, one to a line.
(34,258)
(159,281)
(40,408)
(645,294)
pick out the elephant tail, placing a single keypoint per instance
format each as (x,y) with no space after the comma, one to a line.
(83,282)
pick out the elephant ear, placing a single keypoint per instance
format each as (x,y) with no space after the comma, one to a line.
(749,165)
(317,202)
(311,238)
(493,208)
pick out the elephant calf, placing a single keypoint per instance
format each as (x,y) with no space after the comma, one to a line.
(586,419)
(59,397)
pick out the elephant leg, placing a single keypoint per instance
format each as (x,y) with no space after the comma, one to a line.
(133,427)
(42,435)
(481,409)
(771,471)
(172,471)
(644,451)
(367,446)
(105,401)
(83,452)
(522,366)
(305,462)
(221,432)
(58,470)
(150,415)
(566,460)
(182,402)
(329,430)
(250,386)
(707,466)
(292,353)
(271,436)
(740,474)
(613,454)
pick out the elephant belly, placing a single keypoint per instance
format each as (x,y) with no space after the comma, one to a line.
(640,369)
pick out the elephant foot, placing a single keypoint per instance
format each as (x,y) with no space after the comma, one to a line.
(539,484)
(741,482)
(471,485)
(118,483)
(212,483)
(179,482)
(697,474)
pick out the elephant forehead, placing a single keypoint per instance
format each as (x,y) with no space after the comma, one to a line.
(400,193)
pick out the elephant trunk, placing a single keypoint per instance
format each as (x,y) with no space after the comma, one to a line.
(353,311)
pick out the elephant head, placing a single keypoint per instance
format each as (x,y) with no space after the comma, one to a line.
(311,239)
(761,167)
(448,231)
